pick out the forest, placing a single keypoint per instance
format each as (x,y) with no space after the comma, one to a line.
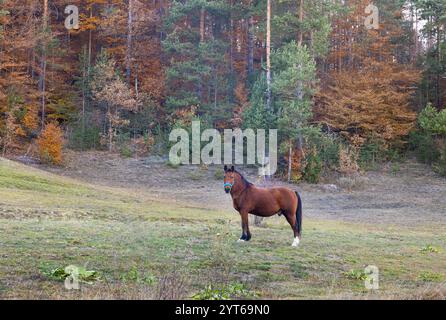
(343,94)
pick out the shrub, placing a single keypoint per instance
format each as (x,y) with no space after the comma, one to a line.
(123,143)
(395,168)
(86,138)
(322,155)
(433,121)
(348,160)
(50,144)
(125,151)
(424,146)
(143,145)
(327,146)
(172,286)
(372,151)
(219,174)
(428,142)
(313,167)
(440,165)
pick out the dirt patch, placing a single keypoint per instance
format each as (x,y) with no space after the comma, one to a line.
(414,194)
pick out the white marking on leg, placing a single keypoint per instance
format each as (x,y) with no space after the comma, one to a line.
(296,242)
(240,241)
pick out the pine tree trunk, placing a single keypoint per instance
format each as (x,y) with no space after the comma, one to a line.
(301,19)
(110,130)
(250,45)
(136,81)
(299,89)
(268,55)
(90,39)
(202,18)
(84,96)
(231,45)
(202,39)
(416,34)
(129,41)
(44,63)
(290,160)
(438,76)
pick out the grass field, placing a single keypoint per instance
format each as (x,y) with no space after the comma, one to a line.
(143,247)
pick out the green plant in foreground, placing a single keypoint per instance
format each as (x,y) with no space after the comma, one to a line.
(134,274)
(356,275)
(227,292)
(79,273)
(429,249)
(395,169)
(125,152)
(440,165)
(428,276)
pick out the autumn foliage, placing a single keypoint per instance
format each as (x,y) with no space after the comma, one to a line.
(50,144)
(135,70)
(369,92)
(373,101)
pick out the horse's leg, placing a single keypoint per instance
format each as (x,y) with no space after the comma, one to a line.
(291,218)
(246,235)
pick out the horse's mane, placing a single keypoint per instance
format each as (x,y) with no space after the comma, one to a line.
(246,183)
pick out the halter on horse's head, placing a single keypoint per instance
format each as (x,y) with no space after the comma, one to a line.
(229,179)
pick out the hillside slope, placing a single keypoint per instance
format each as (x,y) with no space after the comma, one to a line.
(139,244)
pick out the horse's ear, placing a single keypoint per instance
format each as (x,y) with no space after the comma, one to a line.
(232,168)
(226,168)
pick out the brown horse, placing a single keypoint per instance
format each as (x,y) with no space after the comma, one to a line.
(248,199)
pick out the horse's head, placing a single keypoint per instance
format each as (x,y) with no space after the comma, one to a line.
(229,179)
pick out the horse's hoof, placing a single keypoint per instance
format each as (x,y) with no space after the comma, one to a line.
(241,241)
(296,242)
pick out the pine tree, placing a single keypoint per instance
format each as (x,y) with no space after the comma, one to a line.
(198,74)
(434,13)
(293,67)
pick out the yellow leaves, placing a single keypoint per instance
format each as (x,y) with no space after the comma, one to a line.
(50,144)
(88,23)
(370,99)
(90,3)
(31,120)
(20,132)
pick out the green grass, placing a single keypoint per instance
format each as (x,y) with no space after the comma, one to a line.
(138,245)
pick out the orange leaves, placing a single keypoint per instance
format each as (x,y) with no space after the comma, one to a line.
(50,144)
(297,164)
(31,120)
(359,104)
(88,23)
(369,92)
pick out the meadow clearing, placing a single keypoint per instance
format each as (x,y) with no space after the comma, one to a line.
(152,231)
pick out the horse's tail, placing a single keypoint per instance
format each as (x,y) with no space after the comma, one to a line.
(299,215)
